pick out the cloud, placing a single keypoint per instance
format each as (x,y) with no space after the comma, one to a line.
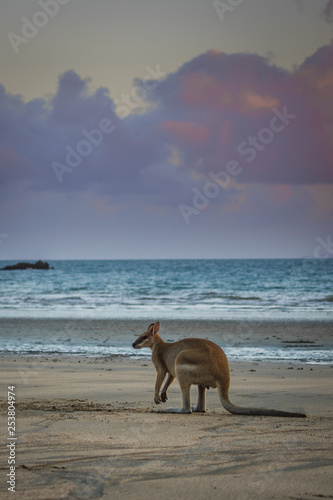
(186,132)
(37,134)
(215,108)
(233,97)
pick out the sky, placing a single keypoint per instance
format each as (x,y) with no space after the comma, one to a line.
(153,129)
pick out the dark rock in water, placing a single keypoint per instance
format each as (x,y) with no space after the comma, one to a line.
(27,265)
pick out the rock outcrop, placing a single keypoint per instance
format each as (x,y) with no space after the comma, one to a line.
(27,265)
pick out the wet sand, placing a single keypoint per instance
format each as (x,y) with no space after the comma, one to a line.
(122,332)
(85,430)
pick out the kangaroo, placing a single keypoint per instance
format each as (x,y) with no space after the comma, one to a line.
(195,362)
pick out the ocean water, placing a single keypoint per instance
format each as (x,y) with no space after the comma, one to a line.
(241,290)
(296,289)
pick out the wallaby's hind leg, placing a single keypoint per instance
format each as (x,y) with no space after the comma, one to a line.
(201,406)
(186,404)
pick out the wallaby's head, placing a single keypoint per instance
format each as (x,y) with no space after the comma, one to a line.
(147,339)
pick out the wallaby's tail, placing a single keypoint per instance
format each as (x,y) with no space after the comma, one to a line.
(239,410)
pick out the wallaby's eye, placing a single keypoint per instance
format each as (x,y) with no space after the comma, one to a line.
(144,338)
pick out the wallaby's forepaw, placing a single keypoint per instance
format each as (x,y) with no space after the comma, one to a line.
(161,398)
(164,397)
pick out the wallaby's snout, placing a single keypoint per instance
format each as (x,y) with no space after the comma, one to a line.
(136,344)
(139,341)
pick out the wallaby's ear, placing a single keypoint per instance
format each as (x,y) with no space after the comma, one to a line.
(157,327)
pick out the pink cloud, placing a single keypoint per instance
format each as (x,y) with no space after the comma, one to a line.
(233,97)
(206,91)
(186,132)
(252,102)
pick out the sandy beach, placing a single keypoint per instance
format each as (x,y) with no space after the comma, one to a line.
(85,429)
